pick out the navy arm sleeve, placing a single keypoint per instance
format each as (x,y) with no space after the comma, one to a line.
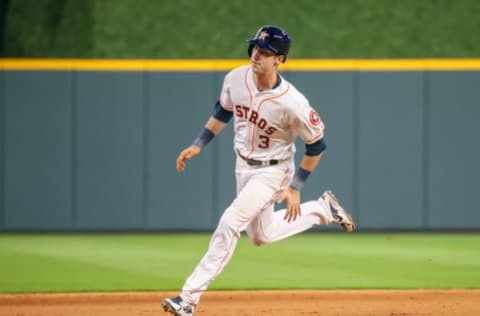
(316,148)
(221,114)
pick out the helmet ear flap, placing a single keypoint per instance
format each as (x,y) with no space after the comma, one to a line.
(250,49)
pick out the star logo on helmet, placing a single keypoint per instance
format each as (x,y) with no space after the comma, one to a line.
(263,35)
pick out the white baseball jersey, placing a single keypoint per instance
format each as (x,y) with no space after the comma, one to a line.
(267,122)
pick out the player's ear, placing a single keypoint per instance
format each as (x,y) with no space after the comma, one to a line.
(281,58)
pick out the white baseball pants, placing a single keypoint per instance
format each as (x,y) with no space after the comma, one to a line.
(252,211)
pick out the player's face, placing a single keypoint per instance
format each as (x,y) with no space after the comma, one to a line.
(263,60)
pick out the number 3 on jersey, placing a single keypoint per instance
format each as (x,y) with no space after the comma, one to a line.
(252,116)
(264,141)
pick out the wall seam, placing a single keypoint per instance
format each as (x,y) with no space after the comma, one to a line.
(145,152)
(355,145)
(426,150)
(2,150)
(74,151)
(215,167)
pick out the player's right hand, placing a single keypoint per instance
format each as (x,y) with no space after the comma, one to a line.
(186,154)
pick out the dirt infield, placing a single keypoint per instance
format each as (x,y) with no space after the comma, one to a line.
(253,303)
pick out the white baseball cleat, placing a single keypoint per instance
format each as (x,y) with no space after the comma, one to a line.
(177,306)
(340,216)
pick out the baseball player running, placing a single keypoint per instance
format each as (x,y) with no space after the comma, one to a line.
(269,113)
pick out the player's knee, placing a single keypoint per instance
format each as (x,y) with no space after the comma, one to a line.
(257,239)
(257,235)
(259,242)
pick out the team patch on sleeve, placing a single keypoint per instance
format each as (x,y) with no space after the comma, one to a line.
(315,119)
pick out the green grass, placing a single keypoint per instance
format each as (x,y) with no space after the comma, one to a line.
(52,263)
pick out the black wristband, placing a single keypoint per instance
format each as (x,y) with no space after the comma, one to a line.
(204,138)
(299,179)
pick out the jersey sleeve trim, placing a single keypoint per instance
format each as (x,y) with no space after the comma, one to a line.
(314,139)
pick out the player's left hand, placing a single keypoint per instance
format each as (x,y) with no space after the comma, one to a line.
(292,199)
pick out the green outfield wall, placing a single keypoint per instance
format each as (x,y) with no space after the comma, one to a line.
(218,29)
(88,149)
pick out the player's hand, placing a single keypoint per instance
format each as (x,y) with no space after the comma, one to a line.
(186,154)
(292,199)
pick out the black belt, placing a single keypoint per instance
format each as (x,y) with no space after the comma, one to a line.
(253,162)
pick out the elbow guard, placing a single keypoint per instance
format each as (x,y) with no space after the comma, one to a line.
(316,148)
(221,114)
